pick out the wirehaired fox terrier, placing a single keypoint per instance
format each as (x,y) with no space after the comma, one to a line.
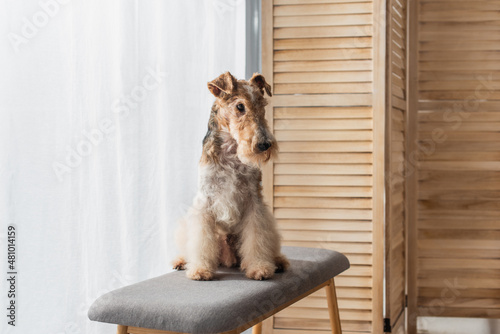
(229,224)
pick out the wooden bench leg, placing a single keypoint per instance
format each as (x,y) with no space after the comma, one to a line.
(122,329)
(333,308)
(257,329)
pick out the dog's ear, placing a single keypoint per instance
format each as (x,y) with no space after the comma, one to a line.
(224,84)
(259,81)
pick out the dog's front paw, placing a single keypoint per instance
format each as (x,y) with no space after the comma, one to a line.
(261,272)
(200,274)
(179,263)
(282,263)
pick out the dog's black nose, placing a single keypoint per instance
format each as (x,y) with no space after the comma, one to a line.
(263,146)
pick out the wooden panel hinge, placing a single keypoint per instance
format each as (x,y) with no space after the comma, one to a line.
(387,325)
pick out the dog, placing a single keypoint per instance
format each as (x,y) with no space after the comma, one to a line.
(228,223)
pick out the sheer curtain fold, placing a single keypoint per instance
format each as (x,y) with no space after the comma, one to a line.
(102,113)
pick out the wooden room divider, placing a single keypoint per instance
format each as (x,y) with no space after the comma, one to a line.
(326,61)
(400,174)
(455,111)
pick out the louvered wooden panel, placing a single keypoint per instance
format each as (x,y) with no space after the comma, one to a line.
(458,161)
(320,61)
(395,164)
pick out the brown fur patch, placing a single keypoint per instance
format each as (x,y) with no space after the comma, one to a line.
(223,85)
(212,141)
(259,81)
(228,254)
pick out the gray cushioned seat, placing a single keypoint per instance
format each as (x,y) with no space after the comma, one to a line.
(175,303)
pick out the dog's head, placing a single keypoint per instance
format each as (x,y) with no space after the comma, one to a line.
(241,113)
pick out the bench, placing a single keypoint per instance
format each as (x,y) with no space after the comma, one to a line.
(229,304)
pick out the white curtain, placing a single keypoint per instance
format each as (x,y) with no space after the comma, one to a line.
(103,107)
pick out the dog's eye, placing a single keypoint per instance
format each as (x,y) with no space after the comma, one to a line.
(240,107)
